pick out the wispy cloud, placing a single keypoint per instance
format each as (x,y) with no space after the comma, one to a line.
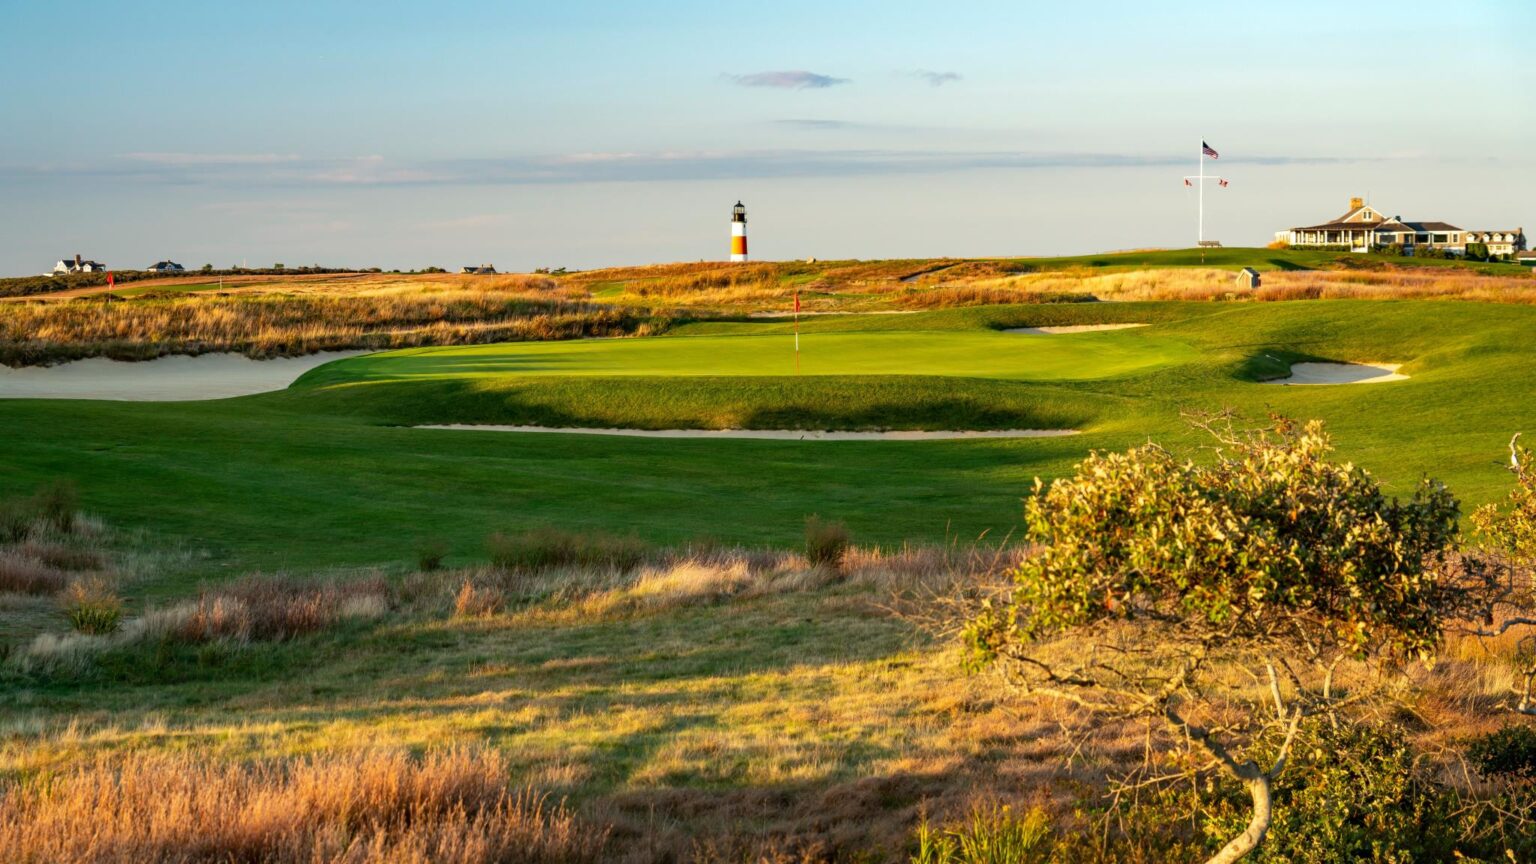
(211,158)
(937,79)
(605,167)
(795,79)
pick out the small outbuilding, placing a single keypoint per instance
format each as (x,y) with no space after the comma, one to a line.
(1248,278)
(480,270)
(165,267)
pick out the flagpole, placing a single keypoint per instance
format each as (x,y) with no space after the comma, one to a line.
(1200,238)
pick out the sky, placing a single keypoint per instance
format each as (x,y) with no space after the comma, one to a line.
(583,134)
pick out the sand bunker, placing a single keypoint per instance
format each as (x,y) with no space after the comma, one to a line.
(177,378)
(1341,373)
(1070,328)
(771,434)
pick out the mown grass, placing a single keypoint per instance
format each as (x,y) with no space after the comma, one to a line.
(354,488)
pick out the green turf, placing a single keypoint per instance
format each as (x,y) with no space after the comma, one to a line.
(980,353)
(326,474)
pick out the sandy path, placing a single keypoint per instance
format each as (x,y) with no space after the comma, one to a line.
(770,434)
(1070,328)
(177,378)
(1341,373)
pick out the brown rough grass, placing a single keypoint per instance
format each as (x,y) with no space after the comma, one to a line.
(391,315)
(451,806)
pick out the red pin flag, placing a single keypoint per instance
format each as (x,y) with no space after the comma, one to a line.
(110,281)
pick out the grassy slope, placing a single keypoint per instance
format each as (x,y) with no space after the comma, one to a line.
(320,476)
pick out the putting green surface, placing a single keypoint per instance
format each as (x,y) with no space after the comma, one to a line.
(976,354)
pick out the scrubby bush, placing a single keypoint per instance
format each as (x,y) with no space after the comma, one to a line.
(56,504)
(15,520)
(826,542)
(1510,752)
(271,608)
(1156,574)
(544,547)
(92,607)
(430,554)
(1351,794)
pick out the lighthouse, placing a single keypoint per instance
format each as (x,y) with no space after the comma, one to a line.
(738,232)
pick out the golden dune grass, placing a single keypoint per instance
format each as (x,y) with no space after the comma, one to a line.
(267,324)
(454,806)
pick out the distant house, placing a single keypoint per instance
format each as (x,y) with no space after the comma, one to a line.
(1500,242)
(1364,228)
(482,270)
(165,267)
(1526,258)
(77,265)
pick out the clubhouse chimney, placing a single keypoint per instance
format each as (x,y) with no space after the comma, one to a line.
(77,260)
(738,232)
(1356,204)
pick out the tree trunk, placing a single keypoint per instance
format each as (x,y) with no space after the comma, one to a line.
(1258,826)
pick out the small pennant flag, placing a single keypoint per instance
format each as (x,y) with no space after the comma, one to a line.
(110,281)
(797,302)
(1209,151)
(1187,183)
(1223,182)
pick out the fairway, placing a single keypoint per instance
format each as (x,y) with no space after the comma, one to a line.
(982,353)
(331,465)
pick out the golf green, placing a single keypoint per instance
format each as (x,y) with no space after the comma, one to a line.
(919,352)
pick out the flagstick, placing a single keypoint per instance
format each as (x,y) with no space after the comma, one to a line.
(797,331)
(1200,234)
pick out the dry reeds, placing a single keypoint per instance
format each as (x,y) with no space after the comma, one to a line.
(272,608)
(22,574)
(453,806)
(269,325)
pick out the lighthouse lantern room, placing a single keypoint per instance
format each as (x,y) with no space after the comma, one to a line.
(738,232)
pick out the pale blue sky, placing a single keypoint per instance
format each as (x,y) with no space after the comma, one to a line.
(402,134)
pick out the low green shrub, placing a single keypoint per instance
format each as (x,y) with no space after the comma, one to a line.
(15,521)
(430,555)
(1350,794)
(545,547)
(56,504)
(826,542)
(1509,752)
(92,607)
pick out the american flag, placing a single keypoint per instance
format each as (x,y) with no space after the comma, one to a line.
(1207,150)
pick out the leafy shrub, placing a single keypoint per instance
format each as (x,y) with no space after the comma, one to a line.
(826,542)
(1350,794)
(1510,752)
(989,836)
(56,504)
(430,555)
(1270,554)
(544,547)
(477,601)
(92,607)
